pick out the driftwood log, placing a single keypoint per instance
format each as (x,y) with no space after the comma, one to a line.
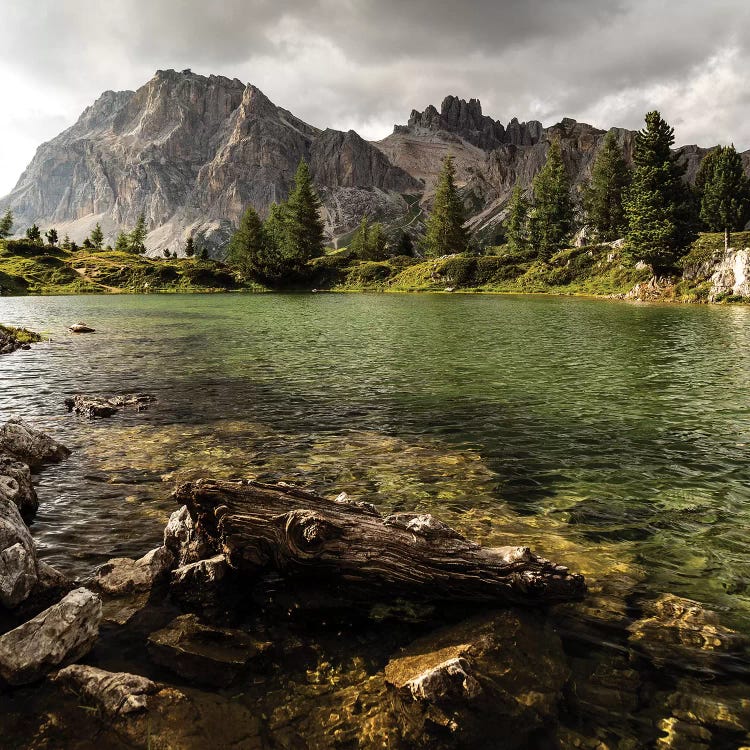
(261,526)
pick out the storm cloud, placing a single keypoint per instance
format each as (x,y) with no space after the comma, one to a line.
(365,64)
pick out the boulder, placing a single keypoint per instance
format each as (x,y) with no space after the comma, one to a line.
(500,674)
(51,586)
(18,564)
(202,654)
(113,693)
(29,445)
(81,328)
(123,575)
(183,540)
(15,485)
(199,584)
(95,407)
(61,634)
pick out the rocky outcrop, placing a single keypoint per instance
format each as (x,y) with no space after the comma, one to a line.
(63,633)
(122,575)
(18,564)
(16,486)
(12,339)
(731,275)
(95,407)
(26,444)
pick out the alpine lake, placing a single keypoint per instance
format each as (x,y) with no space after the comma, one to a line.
(613,438)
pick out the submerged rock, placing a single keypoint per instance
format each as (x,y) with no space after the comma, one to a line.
(63,633)
(501,673)
(18,564)
(123,575)
(202,654)
(81,328)
(15,485)
(23,442)
(95,407)
(114,693)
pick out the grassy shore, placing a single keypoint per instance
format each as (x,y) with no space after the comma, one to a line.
(596,270)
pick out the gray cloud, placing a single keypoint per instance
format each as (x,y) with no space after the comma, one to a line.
(365,63)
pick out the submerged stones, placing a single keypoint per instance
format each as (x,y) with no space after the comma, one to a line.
(63,633)
(95,407)
(203,654)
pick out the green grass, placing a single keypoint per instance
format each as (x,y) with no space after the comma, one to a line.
(21,335)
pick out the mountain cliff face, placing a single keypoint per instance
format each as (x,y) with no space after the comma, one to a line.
(191,152)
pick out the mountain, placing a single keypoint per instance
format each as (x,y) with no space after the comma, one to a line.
(191,152)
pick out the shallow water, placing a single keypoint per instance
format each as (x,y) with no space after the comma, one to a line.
(612,437)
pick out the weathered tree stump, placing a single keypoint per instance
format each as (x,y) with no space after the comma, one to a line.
(261,526)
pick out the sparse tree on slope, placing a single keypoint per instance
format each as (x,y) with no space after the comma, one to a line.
(445,227)
(553,208)
(189,247)
(725,192)
(51,235)
(33,234)
(304,231)
(6,225)
(358,244)
(604,196)
(658,206)
(66,243)
(97,237)
(250,250)
(518,222)
(137,239)
(122,243)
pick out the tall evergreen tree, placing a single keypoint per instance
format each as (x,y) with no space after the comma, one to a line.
(189,247)
(518,222)
(358,245)
(6,225)
(122,243)
(51,235)
(97,237)
(445,227)
(304,231)
(137,238)
(33,234)
(724,192)
(658,205)
(66,243)
(251,251)
(405,245)
(553,207)
(604,196)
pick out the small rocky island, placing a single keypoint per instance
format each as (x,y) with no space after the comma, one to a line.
(12,339)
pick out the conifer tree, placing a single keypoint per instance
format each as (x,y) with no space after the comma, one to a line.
(552,219)
(189,247)
(122,243)
(137,238)
(725,192)
(377,243)
(658,205)
(405,245)
(358,244)
(33,234)
(97,237)
(66,243)
(6,225)
(518,222)
(445,227)
(304,231)
(51,235)
(167,253)
(604,196)
(250,251)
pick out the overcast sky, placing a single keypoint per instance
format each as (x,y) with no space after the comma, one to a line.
(365,64)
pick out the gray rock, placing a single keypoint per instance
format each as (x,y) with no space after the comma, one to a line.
(61,634)
(18,564)
(26,444)
(113,693)
(15,485)
(199,584)
(202,654)
(123,575)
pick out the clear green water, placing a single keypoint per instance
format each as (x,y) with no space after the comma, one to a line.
(612,437)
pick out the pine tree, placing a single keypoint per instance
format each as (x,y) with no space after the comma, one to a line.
(658,205)
(250,250)
(97,237)
(445,228)
(377,242)
(66,243)
(553,208)
(604,196)
(137,238)
(405,245)
(6,225)
(33,234)
(122,243)
(725,192)
(189,247)
(304,231)
(51,235)
(518,222)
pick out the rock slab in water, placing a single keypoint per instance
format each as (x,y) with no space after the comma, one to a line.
(23,442)
(114,693)
(95,407)
(123,575)
(18,564)
(63,633)
(202,654)
(199,585)
(15,485)
(81,328)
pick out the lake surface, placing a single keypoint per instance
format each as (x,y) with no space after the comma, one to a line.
(614,438)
